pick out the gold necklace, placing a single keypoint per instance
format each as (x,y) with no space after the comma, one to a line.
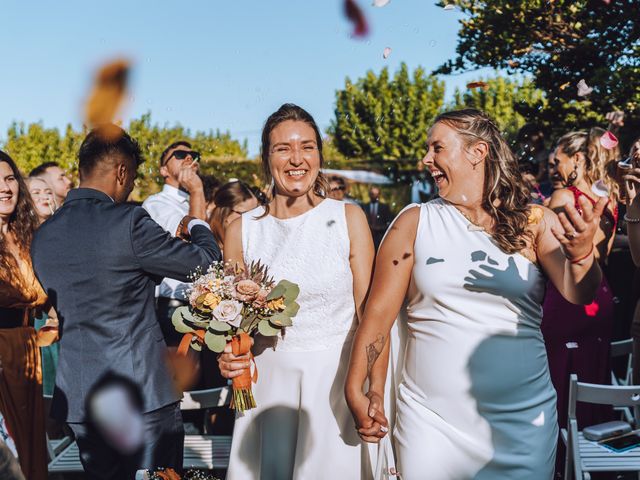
(472,227)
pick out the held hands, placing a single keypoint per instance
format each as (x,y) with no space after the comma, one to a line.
(578,230)
(368,413)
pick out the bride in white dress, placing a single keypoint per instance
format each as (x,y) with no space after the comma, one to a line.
(475,400)
(302,427)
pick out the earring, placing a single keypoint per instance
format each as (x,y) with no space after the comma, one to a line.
(573,175)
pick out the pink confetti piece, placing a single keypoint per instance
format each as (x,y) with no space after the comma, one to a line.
(357,18)
(386,53)
(608,140)
(584,89)
(600,189)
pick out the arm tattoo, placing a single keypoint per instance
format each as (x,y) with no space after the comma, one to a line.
(373,351)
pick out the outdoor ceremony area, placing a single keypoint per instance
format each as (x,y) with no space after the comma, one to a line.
(347,239)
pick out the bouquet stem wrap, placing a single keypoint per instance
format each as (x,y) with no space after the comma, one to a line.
(242,398)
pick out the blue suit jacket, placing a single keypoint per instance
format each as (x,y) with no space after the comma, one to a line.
(99,263)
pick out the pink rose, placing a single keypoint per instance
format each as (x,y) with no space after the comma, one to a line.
(246,290)
(228,311)
(261,298)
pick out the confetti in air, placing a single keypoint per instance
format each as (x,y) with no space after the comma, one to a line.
(357,18)
(608,140)
(565,85)
(107,95)
(380,3)
(584,89)
(482,85)
(386,53)
(450,6)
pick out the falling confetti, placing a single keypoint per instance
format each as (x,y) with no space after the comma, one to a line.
(386,52)
(450,6)
(107,95)
(380,3)
(600,189)
(482,85)
(564,85)
(584,89)
(608,140)
(357,18)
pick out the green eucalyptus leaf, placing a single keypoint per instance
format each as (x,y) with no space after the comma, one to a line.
(281,320)
(291,309)
(266,329)
(215,342)
(179,322)
(278,291)
(217,326)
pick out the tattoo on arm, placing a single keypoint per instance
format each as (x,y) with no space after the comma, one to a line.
(373,351)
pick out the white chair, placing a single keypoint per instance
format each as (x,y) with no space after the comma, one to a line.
(584,456)
(200,451)
(622,348)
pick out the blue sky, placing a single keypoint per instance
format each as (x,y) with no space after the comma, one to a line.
(208,64)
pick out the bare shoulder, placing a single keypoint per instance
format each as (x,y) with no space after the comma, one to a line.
(354,213)
(560,197)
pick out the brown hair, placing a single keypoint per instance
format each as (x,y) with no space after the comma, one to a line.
(22,223)
(505,196)
(226,198)
(289,111)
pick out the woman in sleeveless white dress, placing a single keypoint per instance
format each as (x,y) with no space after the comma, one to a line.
(302,427)
(475,399)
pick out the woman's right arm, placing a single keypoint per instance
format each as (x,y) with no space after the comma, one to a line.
(230,365)
(392,274)
(632,187)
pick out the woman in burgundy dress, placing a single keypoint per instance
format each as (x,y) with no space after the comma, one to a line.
(578,337)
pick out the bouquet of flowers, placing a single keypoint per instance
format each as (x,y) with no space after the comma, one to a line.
(228,304)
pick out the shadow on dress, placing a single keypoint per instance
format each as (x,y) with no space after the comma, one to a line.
(510,382)
(277,425)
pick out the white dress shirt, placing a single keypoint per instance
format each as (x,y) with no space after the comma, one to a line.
(167,208)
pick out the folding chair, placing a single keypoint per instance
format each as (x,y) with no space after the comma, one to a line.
(584,456)
(623,348)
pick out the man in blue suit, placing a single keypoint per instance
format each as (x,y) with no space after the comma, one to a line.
(99,260)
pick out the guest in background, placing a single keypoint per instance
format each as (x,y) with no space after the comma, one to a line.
(209,185)
(232,200)
(44,203)
(337,188)
(42,196)
(21,400)
(578,337)
(632,187)
(100,258)
(531,149)
(421,189)
(56,178)
(378,215)
(182,194)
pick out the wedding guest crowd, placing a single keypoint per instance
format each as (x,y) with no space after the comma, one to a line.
(515,272)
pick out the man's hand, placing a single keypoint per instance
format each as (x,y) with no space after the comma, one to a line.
(232,366)
(189,180)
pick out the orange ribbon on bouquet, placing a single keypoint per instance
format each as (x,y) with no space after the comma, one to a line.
(183,347)
(242,398)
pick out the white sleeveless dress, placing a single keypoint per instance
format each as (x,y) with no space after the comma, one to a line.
(475,399)
(302,427)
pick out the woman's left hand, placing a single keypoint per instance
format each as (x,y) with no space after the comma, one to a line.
(578,230)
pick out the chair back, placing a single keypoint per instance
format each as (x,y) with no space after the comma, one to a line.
(201,399)
(621,348)
(617,396)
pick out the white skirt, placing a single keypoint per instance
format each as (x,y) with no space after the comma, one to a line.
(302,427)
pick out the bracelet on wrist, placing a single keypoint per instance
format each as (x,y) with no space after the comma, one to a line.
(628,219)
(574,261)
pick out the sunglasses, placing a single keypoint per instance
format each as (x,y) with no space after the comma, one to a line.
(182,154)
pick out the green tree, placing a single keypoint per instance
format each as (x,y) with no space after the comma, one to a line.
(379,117)
(504,100)
(558,43)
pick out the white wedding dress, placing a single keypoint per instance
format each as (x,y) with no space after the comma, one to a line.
(302,427)
(475,400)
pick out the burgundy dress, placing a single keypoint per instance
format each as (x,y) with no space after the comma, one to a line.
(578,340)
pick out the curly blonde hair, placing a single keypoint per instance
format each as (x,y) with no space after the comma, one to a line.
(505,195)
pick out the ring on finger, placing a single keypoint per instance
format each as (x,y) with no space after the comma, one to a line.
(570,235)
(384,429)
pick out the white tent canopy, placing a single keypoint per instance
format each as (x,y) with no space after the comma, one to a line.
(360,176)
